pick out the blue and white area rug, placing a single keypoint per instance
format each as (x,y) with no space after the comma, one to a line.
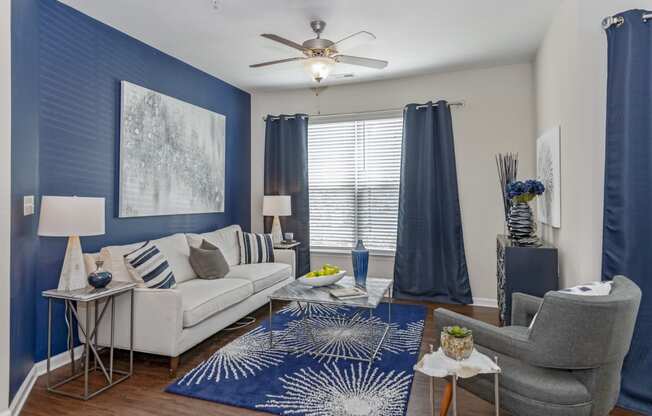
(247,373)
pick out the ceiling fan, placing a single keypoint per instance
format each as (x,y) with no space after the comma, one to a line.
(321,55)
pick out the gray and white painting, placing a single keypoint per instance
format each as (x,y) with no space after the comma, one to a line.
(171,155)
(548,172)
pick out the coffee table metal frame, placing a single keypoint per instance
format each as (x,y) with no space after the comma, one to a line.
(353,320)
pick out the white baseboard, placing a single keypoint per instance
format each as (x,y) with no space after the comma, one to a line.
(23,392)
(486,302)
(38,369)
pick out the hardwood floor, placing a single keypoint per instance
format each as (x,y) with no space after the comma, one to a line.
(143,393)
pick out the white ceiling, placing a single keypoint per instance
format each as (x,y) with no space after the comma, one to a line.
(415,36)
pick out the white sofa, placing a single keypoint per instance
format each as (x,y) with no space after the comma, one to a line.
(171,321)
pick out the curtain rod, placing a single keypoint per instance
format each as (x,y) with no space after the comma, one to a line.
(450,104)
(609,21)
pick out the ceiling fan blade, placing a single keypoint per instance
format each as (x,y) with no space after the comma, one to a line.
(367,35)
(341,76)
(356,60)
(285,42)
(280,61)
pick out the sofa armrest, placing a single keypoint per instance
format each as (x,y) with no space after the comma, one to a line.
(486,335)
(286,257)
(158,319)
(524,307)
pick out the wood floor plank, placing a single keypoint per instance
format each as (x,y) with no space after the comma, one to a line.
(143,394)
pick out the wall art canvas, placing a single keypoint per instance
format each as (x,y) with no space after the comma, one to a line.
(172,155)
(548,172)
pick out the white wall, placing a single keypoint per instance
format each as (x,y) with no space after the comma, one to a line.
(5,196)
(571,83)
(498,117)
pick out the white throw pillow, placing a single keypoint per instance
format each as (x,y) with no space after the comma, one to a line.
(590,289)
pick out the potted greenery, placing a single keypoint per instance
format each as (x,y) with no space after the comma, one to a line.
(457,342)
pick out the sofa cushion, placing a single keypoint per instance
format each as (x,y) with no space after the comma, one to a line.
(174,247)
(204,298)
(537,384)
(261,275)
(225,239)
(114,261)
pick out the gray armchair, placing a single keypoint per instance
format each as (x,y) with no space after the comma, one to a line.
(569,362)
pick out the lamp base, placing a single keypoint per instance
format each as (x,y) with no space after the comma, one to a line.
(277,234)
(73,272)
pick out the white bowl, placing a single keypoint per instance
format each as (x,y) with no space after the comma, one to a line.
(322,280)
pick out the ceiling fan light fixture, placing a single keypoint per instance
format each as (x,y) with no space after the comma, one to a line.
(319,67)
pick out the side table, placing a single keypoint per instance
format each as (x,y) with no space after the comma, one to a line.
(90,297)
(437,364)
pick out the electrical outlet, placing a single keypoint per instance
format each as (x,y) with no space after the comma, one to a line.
(28,205)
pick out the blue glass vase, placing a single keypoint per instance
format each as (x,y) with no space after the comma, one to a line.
(100,277)
(360,258)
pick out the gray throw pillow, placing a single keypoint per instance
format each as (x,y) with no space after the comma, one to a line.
(208,262)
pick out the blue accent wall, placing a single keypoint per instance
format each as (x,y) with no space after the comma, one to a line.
(80,65)
(24,181)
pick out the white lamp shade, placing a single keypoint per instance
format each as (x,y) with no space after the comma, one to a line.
(280,205)
(66,216)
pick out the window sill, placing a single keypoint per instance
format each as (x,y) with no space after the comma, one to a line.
(345,252)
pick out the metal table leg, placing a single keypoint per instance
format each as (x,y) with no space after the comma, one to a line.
(271,333)
(454,394)
(86,350)
(131,336)
(112,299)
(71,345)
(496,390)
(47,377)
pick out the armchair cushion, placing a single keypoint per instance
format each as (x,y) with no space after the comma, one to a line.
(534,385)
(537,383)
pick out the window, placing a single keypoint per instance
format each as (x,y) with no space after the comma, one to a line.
(354,169)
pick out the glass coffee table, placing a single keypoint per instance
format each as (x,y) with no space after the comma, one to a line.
(332,335)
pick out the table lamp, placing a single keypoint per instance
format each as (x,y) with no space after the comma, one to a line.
(277,206)
(72,217)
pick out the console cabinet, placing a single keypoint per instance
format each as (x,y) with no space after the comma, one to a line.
(531,270)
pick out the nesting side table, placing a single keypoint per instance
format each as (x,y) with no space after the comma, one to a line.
(91,298)
(437,365)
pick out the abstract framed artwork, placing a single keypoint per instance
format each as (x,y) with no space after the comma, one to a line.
(172,155)
(548,172)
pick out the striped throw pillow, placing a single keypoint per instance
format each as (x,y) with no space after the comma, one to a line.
(255,248)
(151,265)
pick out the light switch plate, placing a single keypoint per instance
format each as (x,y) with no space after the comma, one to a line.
(28,205)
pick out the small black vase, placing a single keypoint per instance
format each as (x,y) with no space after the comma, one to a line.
(100,277)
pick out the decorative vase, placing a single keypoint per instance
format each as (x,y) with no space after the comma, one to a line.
(360,259)
(521,226)
(456,347)
(100,277)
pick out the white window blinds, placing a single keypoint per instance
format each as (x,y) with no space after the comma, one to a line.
(354,169)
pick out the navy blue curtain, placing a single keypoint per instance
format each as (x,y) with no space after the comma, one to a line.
(430,260)
(286,173)
(627,232)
